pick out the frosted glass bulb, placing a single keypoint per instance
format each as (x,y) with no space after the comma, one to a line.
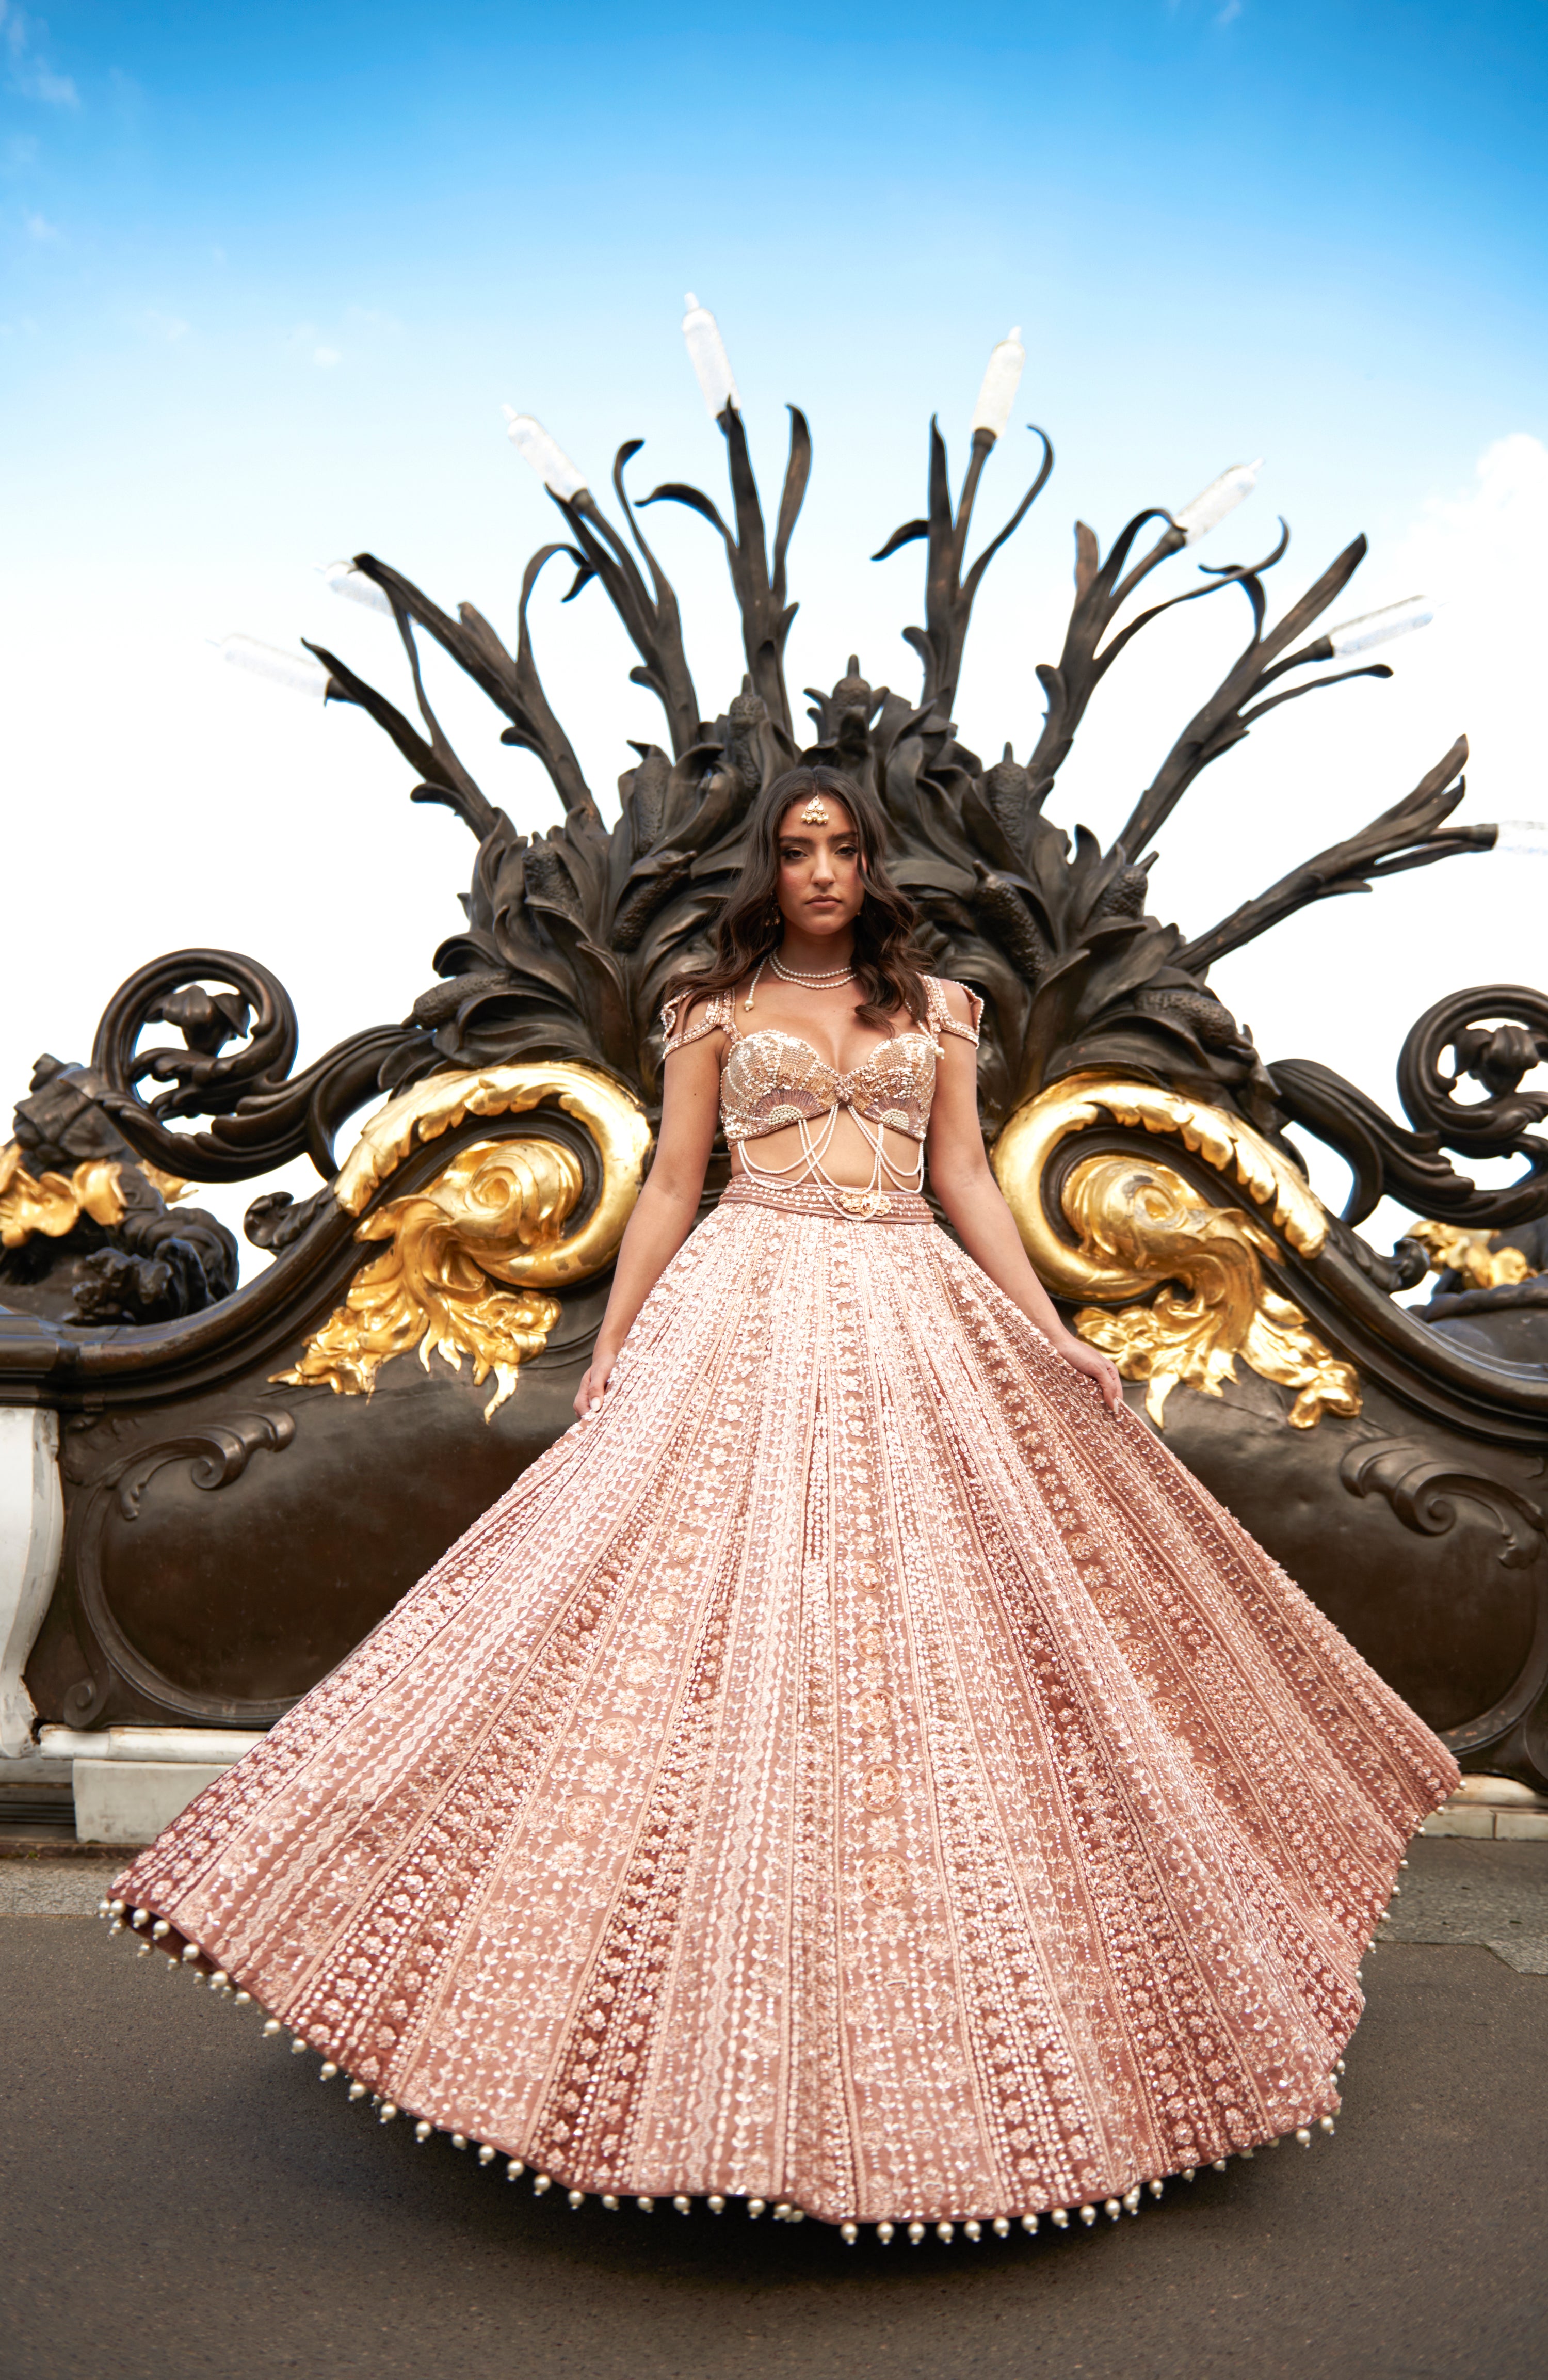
(1002,380)
(354,586)
(1212,504)
(706,353)
(1379,628)
(552,463)
(297,671)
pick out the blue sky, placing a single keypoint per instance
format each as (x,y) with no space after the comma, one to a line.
(266,277)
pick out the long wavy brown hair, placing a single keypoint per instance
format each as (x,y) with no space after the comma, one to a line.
(888,969)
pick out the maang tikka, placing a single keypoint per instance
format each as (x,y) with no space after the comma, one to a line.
(814,814)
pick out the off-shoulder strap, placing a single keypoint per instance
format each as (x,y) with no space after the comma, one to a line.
(716,1018)
(942,1019)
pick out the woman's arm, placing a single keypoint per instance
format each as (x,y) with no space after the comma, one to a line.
(970,1197)
(665,1208)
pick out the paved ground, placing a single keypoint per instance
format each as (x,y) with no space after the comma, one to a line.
(177,2200)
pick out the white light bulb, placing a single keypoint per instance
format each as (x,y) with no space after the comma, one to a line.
(706,353)
(354,586)
(1210,506)
(1380,627)
(297,671)
(1002,380)
(552,463)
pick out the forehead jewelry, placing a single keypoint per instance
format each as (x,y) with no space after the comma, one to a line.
(814,814)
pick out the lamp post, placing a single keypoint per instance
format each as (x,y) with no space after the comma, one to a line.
(550,461)
(296,671)
(706,353)
(1370,628)
(1209,507)
(1002,377)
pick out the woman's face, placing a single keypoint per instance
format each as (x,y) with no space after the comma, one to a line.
(821,884)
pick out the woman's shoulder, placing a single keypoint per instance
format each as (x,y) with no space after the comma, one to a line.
(954,1008)
(689,1015)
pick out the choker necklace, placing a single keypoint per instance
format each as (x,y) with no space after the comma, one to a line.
(813,982)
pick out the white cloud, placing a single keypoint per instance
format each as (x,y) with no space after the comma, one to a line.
(29,74)
(170,327)
(39,228)
(327,357)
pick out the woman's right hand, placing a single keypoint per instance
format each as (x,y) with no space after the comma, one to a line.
(594,1388)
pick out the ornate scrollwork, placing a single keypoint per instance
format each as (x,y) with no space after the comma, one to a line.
(1138,1225)
(1469,1255)
(499,1209)
(1145,1218)
(1422,1491)
(54,1203)
(1496,1033)
(216,1452)
(496,1215)
(87,1230)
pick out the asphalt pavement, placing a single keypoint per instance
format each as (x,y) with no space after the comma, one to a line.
(178,2198)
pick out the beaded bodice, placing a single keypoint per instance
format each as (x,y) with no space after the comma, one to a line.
(770,1079)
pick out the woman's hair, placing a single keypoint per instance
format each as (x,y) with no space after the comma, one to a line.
(888,966)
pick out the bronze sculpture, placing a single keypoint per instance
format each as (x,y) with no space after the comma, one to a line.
(1391,1459)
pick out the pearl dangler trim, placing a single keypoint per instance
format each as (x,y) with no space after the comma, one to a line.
(542,2182)
(327,2070)
(884,2232)
(388,2110)
(1088,2215)
(848,2234)
(646,2205)
(683,2205)
(973,2228)
(577,2198)
(756,2207)
(1303,2136)
(1002,2226)
(1059,2218)
(1029,2223)
(272,2025)
(357,2090)
(915,2233)
(716,2203)
(514,2170)
(487,2154)
(422,2130)
(609,2202)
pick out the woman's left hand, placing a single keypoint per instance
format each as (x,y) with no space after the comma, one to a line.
(1096,1367)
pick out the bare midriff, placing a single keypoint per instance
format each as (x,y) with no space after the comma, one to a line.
(848,1161)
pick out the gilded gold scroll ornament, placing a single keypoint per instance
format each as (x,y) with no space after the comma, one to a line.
(54,1203)
(472,1257)
(1138,1223)
(1452,1249)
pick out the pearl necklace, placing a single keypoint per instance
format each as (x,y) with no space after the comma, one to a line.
(829,982)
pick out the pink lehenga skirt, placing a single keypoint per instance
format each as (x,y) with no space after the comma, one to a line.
(855,1773)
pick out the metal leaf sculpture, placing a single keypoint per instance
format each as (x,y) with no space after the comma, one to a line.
(570,934)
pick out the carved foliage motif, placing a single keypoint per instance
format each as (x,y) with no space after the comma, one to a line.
(1145,1218)
(435,1287)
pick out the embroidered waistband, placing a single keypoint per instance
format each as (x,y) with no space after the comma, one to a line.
(840,1206)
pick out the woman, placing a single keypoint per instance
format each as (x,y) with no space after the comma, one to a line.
(855,1769)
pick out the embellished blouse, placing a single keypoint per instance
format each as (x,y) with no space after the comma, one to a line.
(770,1079)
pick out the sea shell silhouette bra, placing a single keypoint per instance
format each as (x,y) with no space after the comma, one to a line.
(770,1079)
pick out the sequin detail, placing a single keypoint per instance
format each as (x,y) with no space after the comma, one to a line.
(854,1771)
